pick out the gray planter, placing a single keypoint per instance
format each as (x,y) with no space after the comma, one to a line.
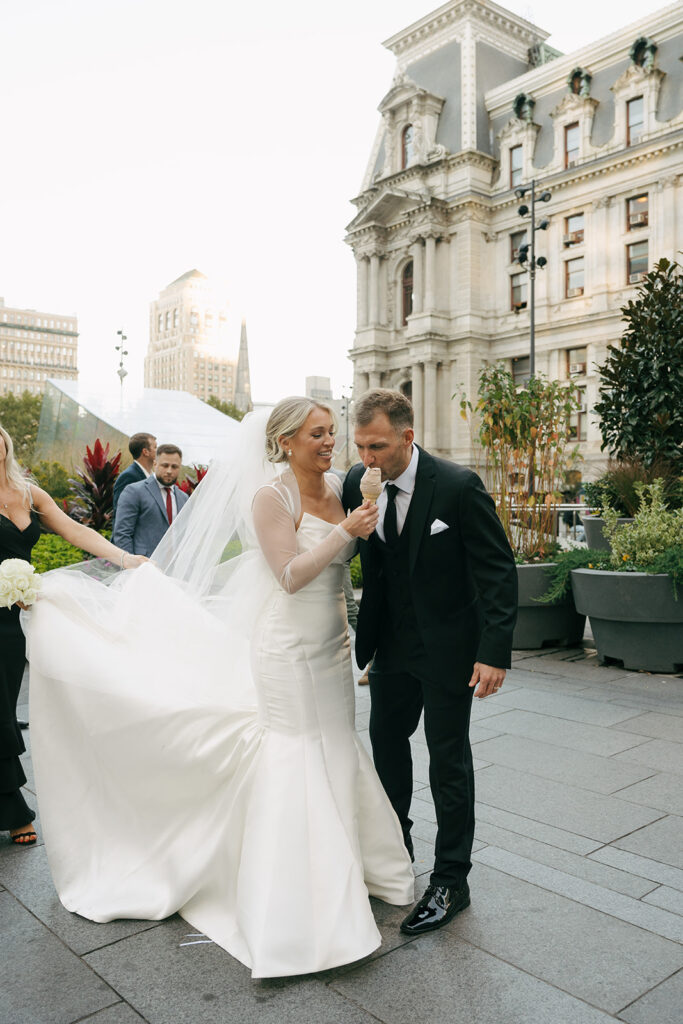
(595,537)
(542,625)
(634,617)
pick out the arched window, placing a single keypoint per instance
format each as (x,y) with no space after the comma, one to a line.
(407,292)
(407,146)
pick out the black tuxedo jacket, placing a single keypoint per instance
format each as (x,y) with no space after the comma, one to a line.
(131,475)
(463,579)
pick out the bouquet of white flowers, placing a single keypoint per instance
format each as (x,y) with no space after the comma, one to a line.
(18,582)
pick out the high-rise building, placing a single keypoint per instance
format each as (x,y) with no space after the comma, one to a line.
(190,348)
(35,346)
(479,108)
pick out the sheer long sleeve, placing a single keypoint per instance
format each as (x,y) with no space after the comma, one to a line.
(274,523)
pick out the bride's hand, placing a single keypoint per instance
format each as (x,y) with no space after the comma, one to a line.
(362,521)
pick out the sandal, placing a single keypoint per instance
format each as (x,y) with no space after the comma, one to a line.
(25,838)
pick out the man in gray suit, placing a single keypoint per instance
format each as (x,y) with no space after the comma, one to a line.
(147,508)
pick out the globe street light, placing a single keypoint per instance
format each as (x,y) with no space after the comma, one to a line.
(121,349)
(526,254)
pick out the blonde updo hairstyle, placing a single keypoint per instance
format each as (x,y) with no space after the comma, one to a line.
(286,419)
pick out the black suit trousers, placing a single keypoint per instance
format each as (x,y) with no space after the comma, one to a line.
(397,702)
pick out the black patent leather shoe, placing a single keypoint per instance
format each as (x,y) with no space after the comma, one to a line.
(439,904)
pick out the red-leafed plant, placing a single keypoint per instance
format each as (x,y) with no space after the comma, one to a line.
(94,488)
(190,482)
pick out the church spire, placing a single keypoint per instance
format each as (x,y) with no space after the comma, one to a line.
(243,382)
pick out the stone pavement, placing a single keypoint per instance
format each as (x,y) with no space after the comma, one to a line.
(577,889)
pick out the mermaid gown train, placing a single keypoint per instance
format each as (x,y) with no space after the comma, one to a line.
(159,791)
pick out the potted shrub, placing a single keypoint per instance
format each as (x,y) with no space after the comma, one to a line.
(618,489)
(631,594)
(524,438)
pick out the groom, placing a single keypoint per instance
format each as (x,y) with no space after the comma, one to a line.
(436,619)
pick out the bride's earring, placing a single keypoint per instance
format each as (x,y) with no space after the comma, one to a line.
(289,453)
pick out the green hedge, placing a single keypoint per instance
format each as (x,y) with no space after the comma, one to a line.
(356,572)
(52,552)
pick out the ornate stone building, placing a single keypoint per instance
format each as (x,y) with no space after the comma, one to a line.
(479,106)
(189,344)
(35,346)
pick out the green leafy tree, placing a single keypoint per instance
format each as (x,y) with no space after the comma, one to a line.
(20,416)
(228,408)
(641,389)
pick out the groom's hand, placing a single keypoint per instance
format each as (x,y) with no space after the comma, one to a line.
(487,679)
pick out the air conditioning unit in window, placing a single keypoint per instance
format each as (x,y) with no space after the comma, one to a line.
(571,163)
(571,239)
(573,292)
(637,220)
(636,278)
(583,407)
(518,305)
(577,368)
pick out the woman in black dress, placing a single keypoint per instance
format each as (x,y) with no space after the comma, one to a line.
(23,509)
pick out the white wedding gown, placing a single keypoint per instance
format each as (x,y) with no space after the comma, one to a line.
(159,791)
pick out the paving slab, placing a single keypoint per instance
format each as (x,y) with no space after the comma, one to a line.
(668,899)
(662,755)
(41,981)
(167,983)
(30,881)
(119,1014)
(663,790)
(595,816)
(560,705)
(571,863)
(592,955)
(589,771)
(645,867)
(593,739)
(453,983)
(558,837)
(660,1006)
(662,841)
(625,908)
(658,726)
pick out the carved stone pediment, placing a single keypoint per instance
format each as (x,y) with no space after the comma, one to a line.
(405,91)
(574,106)
(388,206)
(516,128)
(636,77)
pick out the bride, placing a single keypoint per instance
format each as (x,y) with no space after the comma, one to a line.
(193,729)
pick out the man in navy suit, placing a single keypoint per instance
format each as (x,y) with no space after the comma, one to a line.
(143,448)
(148,507)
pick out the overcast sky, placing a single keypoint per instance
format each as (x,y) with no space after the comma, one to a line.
(143,138)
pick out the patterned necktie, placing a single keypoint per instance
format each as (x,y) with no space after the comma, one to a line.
(390,523)
(169,504)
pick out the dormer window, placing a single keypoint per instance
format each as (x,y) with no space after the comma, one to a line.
(407,292)
(516,166)
(407,146)
(571,144)
(635,120)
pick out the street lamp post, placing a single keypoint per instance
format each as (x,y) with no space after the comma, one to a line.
(526,254)
(346,415)
(122,350)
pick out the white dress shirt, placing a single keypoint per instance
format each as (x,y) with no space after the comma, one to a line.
(145,471)
(174,503)
(406,485)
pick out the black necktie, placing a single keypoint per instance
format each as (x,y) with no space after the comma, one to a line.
(390,524)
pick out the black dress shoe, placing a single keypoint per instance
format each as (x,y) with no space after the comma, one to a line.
(436,908)
(22,724)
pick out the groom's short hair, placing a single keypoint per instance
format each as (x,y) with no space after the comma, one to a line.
(394,404)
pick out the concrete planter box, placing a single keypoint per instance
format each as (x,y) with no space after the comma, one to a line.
(595,537)
(542,625)
(634,617)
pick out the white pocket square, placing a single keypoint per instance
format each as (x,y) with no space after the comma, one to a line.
(437,527)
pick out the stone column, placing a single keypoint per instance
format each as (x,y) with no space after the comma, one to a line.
(375,379)
(430,404)
(418,403)
(360,384)
(418,284)
(373,304)
(455,405)
(362,313)
(430,274)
